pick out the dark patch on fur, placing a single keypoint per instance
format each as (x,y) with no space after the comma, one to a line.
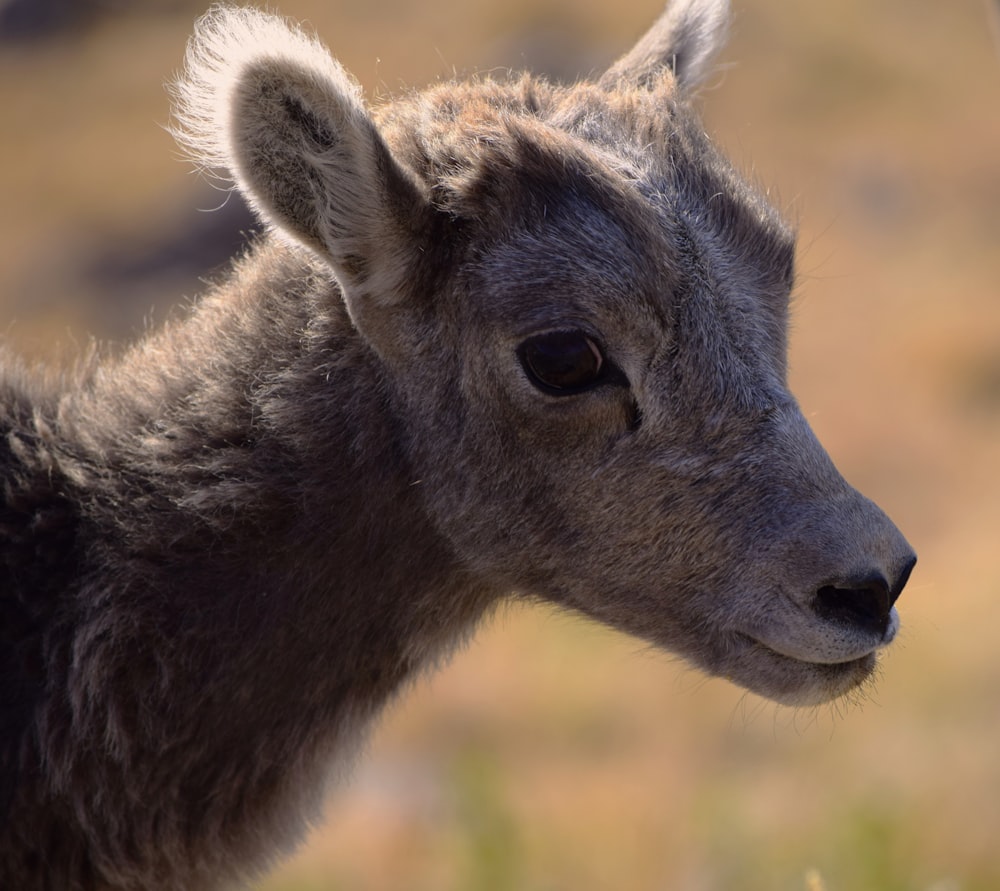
(39,560)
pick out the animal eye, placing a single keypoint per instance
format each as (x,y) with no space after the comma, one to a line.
(562,362)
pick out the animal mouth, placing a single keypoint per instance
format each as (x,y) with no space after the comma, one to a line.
(793,679)
(807,656)
(826,642)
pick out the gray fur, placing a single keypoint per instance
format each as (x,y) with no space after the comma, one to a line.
(225,550)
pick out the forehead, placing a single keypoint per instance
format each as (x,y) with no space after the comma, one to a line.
(567,214)
(632,165)
(579,200)
(452,127)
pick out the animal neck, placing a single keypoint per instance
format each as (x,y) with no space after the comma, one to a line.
(257,477)
(255,572)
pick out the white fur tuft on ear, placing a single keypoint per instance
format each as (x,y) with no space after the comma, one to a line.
(226,42)
(684,39)
(263,103)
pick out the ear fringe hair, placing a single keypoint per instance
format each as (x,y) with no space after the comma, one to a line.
(684,39)
(226,41)
(700,27)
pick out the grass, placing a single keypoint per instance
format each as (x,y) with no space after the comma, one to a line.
(556,755)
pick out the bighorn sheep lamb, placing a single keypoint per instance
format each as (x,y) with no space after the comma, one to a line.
(503,338)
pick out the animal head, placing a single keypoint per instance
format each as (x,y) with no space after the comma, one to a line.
(579,311)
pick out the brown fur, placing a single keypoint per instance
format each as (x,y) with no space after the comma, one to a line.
(224,551)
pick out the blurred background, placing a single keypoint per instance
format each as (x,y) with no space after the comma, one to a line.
(552,753)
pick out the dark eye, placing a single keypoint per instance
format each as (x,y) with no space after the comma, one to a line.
(562,361)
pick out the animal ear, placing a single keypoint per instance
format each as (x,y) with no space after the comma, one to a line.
(683,40)
(270,105)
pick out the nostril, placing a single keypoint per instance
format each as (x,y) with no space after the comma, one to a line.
(863,603)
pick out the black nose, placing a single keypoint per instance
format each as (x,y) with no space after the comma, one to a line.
(864,602)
